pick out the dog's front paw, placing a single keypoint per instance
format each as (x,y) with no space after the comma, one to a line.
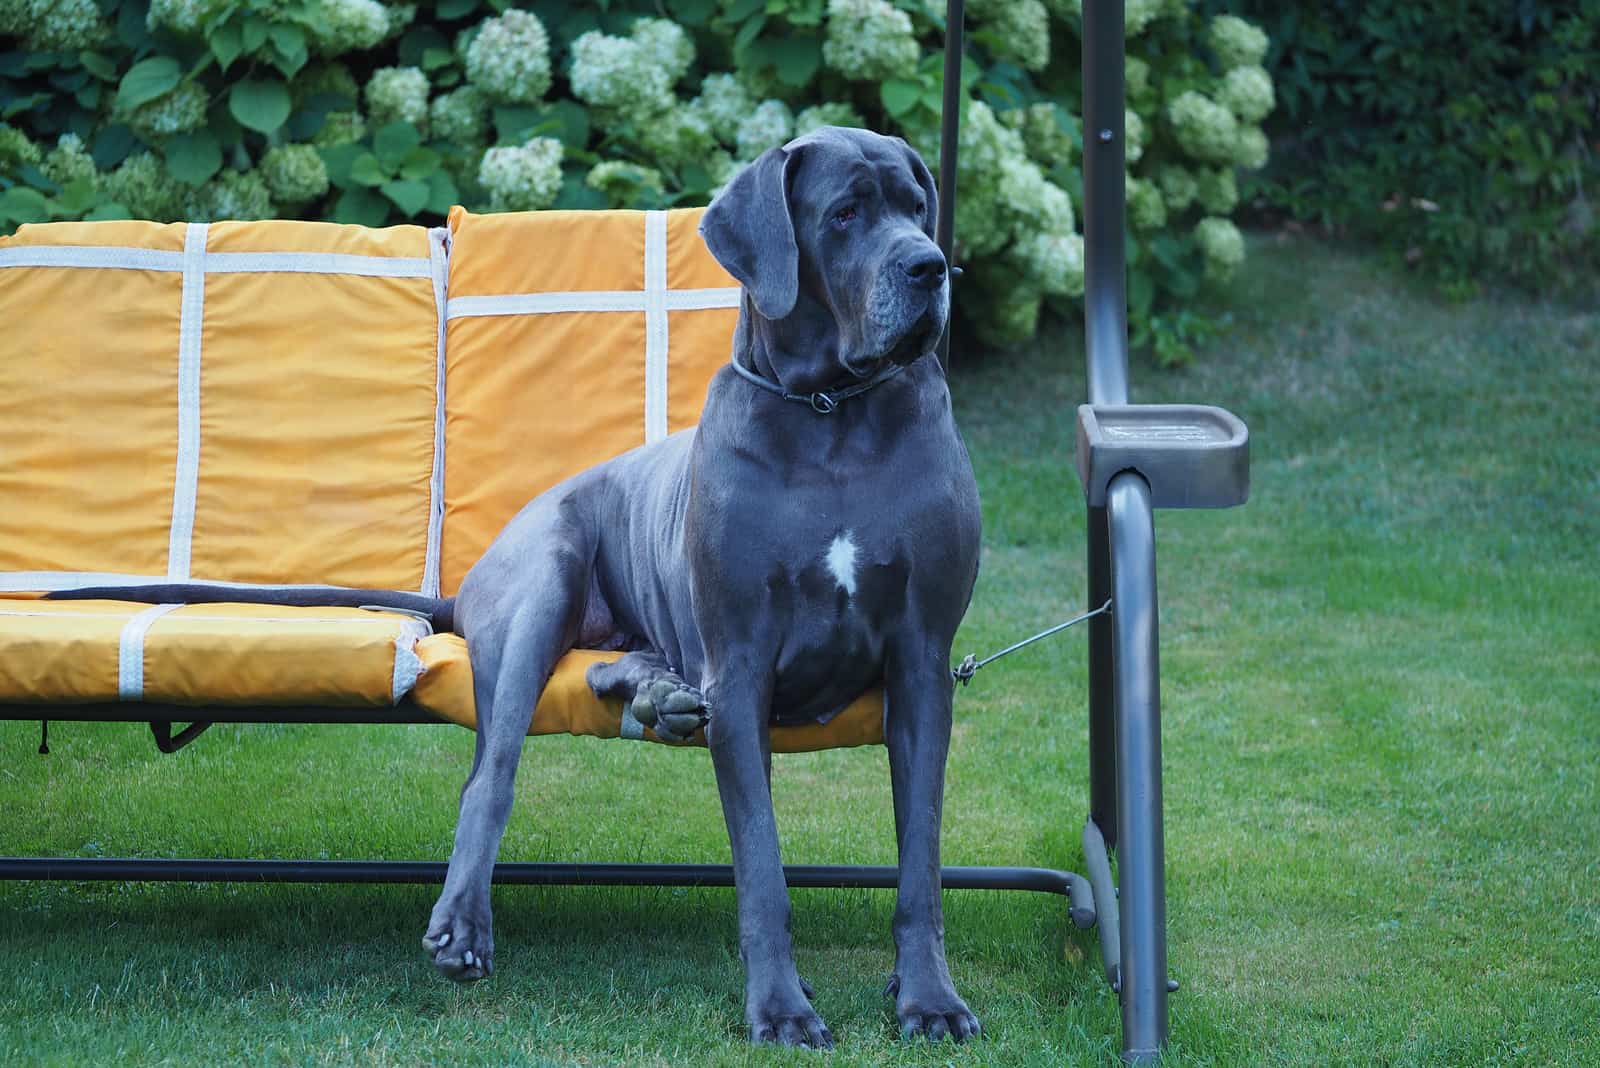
(933,1010)
(459,941)
(673,709)
(787,1018)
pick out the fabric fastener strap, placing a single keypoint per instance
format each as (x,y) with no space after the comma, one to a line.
(130,651)
(186,477)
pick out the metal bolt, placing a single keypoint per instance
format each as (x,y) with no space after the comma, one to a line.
(1106,137)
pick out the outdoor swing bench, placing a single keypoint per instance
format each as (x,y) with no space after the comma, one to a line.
(288,402)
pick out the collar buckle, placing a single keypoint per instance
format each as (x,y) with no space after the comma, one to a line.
(823,403)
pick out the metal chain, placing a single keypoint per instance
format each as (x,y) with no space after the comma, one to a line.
(970,665)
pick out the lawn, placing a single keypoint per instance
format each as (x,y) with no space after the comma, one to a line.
(1381,684)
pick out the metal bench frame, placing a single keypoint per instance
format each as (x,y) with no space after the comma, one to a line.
(1125,813)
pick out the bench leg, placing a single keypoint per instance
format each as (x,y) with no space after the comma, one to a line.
(1102,705)
(1140,846)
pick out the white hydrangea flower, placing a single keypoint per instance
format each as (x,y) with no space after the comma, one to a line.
(1216,190)
(294,174)
(665,45)
(1204,128)
(1042,133)
(1132,135)
(509,58)
(69,161)
(1247,92)
(231,195)
(1052,261)
(1236,42)
(1179,187)
(1251,148)
(1136,77)
(724,102)
(1147,209)
(141,184)
(771,123)
(1137,14)
(182,17)
(624,183)
(821,115)
(340,128)
(178,111)
(869,40)
(398,94)
(619,73)
(721,166)
(522,178)
(677,137)
(1013,316)
(353,25)
(1222,245)
(54,25)
(1018,30)
(16,148)
(460,116)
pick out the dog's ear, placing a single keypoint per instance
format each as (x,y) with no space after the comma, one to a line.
(924,177)
(749,230)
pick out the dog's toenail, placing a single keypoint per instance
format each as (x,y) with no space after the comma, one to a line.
(467,957)
(444,940)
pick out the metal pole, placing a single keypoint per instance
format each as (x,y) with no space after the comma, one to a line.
(949,136)
(1102,714)
(1141,860)
(1105,299)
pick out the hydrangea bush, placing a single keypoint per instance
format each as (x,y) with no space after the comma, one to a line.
(371,112)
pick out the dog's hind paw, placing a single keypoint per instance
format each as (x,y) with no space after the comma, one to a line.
(460,947)
(673,709)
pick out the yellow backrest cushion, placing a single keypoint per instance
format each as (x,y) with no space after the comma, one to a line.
(571,337)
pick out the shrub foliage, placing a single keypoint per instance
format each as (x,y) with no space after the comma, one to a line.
(1465,136)
(367,112)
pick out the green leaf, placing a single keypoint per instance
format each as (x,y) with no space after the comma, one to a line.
(419,163)
(77,198)
(254,32)
(362,207)
(112,145)
(193,157)
(442,192)
(338,159)
(576,196)
(108,210)
(259,103)
(392,143)
(23,205)
(748,31)
(796,58)
(692,12)
(434,58)
(147,80)
(899,96)
(226,45)
(455,9)
(513,123)
(290,44)
(366,170)
(411,196)
(100,66)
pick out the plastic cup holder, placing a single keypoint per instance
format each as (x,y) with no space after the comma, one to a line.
(1193,455)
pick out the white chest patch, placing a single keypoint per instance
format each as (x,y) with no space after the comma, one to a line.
(842,562)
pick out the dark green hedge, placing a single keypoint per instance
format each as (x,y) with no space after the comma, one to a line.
(1462,134)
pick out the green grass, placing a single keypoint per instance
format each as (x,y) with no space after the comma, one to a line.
(1381,685)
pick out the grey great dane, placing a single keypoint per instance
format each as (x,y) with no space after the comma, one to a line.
(815,535)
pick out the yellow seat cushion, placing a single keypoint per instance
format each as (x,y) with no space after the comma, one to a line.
(229,654)
(568,706)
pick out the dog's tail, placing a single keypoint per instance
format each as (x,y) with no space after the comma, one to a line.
(439,611)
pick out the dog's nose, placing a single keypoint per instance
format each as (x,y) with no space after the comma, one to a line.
(925,270)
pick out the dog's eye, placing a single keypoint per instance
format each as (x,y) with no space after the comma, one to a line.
(843,216)
(922,208)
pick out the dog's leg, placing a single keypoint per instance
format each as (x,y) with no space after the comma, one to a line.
(657,697)
(918,739)
(776,1004)
(512,658)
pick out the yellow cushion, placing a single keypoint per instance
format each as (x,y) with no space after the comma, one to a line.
(229,654)
(243,402)
(567,705)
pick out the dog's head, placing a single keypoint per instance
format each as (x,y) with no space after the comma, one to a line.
(832,237)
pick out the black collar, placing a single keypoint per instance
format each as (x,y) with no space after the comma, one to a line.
(822,401)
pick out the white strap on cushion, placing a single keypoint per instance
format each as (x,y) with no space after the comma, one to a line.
(187,475)
(130,651)
(655,326)
(128,259)
(318,263)
(439,251)
(408,666)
